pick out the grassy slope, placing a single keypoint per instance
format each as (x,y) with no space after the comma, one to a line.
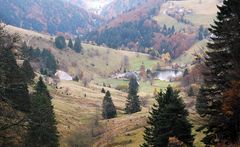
(75,112)
(188,56)
(93,59)
(203,14)
(145,87)
(169,21)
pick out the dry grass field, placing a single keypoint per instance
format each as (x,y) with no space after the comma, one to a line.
(76,113)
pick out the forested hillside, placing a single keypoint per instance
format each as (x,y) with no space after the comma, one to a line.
(47,16)
(139,30)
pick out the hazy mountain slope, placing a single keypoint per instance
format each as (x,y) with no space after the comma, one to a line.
(94,6)
(166,26)
(118,7)
(46,15)
(188,57)
(139,10)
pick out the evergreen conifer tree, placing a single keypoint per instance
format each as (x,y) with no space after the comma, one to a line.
(103,90)
(27,71)
(168,118)
(26,51)
(49,64)
(42,130)
(133,103)
(190,91)
(109,110)
(186,72)
(12,84)
(60,42)
(70,44)
(223,67)
(77,45)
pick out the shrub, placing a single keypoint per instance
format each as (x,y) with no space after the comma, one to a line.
(122,87)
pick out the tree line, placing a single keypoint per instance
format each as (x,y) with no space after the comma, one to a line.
(137,32)
(60,43)
(47,61)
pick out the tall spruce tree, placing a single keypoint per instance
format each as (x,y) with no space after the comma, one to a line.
(13,87)
(109,110)
(186,72)
(27,71)
(77,45)
(70,43)
(133,103)
(223,68)
(191,91)
(42,130)
(168,118)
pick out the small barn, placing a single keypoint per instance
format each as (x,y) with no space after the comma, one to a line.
(63,76)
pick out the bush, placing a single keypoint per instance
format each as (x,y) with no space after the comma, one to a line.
(60,42)
(103,90)
(122,87)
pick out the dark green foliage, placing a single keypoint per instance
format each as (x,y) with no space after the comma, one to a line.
(60,42)
(43,71)
(42,130)
(67,17)
(34,53)
(133,103)
(223,64)
(26,51)
(191,92)
(186,72)
(77,45)
(168,118)
(201,106)
(168,31)
(76,78)
(48,62)
(70,44)
(27,71)
(45,57)
(125,33)
(42,88)
(109,110)
(103,90)
(167,47)
(153,53)
(12,84)
(202,33)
